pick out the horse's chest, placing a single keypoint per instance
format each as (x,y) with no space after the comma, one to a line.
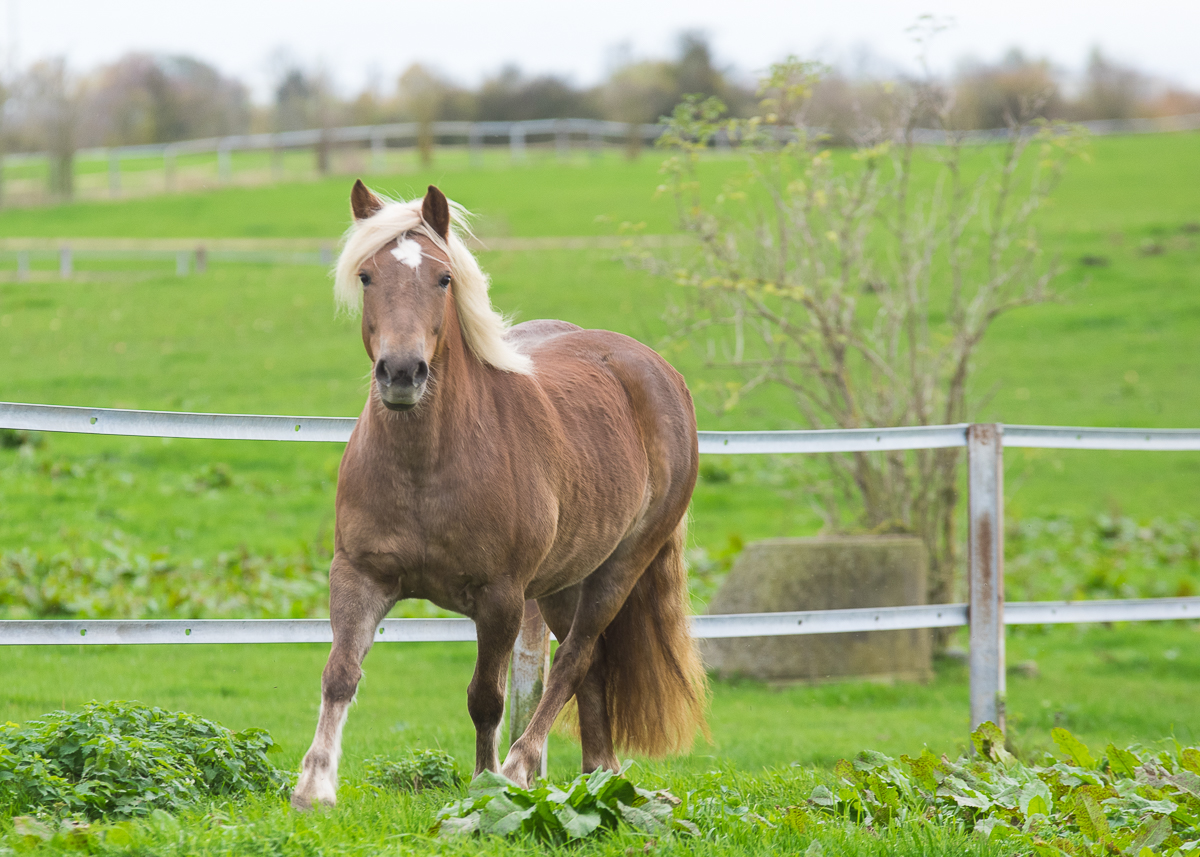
(444,540)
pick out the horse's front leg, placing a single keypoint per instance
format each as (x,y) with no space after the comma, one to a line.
(497,622)
(357,603)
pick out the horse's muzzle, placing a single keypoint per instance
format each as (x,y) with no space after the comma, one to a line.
(401,381)
(400,404)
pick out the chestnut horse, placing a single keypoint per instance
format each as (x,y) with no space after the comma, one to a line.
(491,465)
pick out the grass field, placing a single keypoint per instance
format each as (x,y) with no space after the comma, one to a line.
(765,740)
(1120,349)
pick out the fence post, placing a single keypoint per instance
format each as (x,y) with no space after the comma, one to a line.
(22,266)
(516,141)
(562,139)
(378,161)
(201,259)
(475,145)
(224,162)
(181,263)
(530,664)
(114,173)
(985,465)
(65,263)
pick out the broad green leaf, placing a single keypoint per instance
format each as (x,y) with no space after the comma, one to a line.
(502,816)
(798,819)
(1034,798)
(1090,817)
(1189,760)
(638,818)
(822,796)
(989,743)
(1152,833)
(1122,762)
(577,824)
(489,783)
(597,780)
(924,769)
(1037,806)
(1072,748)
(458,826)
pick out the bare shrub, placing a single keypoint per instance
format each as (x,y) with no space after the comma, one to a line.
(860,283)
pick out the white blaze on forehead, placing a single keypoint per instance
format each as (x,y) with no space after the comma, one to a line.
(408,251)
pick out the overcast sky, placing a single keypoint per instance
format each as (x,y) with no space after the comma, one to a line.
(363,40)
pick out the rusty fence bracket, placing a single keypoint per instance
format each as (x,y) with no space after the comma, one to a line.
(530,665)
(985,466)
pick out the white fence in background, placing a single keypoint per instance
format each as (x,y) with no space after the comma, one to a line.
(566,134)
(986,612)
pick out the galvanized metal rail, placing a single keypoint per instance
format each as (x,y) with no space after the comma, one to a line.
(986,613)
(120,632)
(112,421)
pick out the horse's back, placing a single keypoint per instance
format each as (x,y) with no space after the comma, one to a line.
(601,382)
(570,359)
(529,334)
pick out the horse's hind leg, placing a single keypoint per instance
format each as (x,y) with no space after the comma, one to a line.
(356,605)
(601,596)
(595,731)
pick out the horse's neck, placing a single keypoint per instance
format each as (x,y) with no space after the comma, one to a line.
(456,377)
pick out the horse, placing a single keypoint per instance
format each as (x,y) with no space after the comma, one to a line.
(492,464)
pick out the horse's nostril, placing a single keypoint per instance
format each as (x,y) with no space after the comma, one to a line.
(382,373)
(421,373)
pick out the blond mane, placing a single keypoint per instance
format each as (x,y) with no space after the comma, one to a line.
(483,328)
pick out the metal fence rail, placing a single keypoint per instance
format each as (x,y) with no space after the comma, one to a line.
(115,632)
(986,614)
(63,418)
(113,421)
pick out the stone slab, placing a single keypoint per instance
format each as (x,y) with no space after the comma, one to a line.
(826,573)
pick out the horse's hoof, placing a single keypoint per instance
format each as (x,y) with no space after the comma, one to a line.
(306,802)
(518,773)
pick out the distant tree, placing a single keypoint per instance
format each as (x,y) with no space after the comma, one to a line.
(49,108)
(1014,90)
(425,96)
(644,91)
(304,100)
(145,98)
(510,96)
(1111,90)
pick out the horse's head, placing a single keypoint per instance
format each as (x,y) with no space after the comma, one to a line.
(405,288)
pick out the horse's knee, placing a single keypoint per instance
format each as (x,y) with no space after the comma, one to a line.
(485,704)
(340,680)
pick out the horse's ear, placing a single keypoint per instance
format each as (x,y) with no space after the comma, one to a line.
(363,203)
(436,211)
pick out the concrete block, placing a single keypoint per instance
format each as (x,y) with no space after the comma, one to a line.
(826,573)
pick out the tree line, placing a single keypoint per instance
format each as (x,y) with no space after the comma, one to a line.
(148,98)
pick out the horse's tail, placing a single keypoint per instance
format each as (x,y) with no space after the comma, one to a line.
(657,690)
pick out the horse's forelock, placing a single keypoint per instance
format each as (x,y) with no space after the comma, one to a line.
(482,326)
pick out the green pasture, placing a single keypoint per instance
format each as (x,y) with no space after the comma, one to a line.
(770,745)
(1120,348)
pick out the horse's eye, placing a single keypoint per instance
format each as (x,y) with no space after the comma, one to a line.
(364,278)
(444,281)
